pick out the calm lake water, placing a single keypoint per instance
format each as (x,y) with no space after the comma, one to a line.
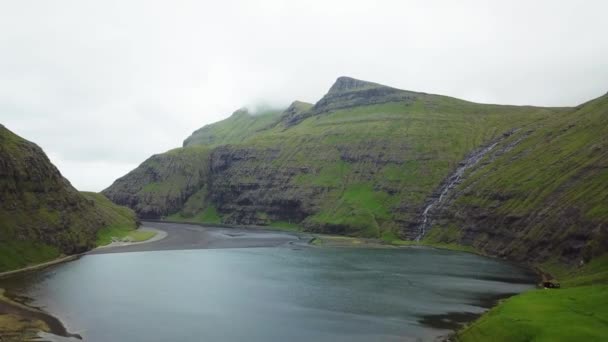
(270,294)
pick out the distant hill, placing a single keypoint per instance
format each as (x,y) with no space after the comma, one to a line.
(41,215)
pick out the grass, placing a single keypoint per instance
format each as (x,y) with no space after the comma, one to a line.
(161,184)
(17,254)
(365,168)
(339,241)
(107,235)
(207,215)
(235,129)
(554,180)
(595,272)
(112,213)
(42,217)
(121,221)
(16,328)
(286,226)
(357,153)
(576,312)
(571,314)
(138,235)
(426,243)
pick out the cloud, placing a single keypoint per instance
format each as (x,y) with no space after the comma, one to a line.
(101,86)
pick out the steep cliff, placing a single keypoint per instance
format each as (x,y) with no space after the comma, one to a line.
(361,161)
(41,214)
(541,194)
(162,184)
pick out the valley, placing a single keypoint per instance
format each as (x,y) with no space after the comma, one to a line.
(367,169)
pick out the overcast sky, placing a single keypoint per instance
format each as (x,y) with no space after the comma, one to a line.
(102,85)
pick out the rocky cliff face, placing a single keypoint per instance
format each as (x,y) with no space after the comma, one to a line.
(41,214)
(541,194)
(363,160)
(161,185)
(348,92)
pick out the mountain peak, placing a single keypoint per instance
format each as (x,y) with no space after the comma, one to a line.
(347,84)
(298,106)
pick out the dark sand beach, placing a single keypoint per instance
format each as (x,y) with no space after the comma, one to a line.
(192,236)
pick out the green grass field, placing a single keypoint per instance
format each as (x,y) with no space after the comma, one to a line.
(207,215)
(17,254)
(576,312)
(286,226)
(121,221)
(106,235)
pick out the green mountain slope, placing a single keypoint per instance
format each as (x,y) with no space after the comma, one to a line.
(362,161)
(164,182)
(525,183)
(41,215)
(235,129)
(542,194)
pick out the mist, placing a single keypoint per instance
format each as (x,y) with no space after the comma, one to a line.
(101,86)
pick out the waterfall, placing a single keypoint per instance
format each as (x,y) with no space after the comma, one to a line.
(452,180)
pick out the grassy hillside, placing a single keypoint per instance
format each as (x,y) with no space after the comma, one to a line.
(543,194)
(235,129)
(161,185)
(367,159)
(576,312)
(41,215)
(361,161)
(119,221)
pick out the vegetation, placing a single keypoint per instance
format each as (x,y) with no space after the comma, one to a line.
(544,195)
(17,254)
(18,327)
(576,312)
(360,162)
(237,128)
(108,234)
(161,185)
(120,221)
(207,215)
(42,217)
(287,226)
(15,328)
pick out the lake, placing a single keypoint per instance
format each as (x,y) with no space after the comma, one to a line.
(270,294)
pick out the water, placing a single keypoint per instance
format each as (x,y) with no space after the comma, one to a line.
(452,181)
(269,294)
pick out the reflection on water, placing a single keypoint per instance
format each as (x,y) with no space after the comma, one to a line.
(270,294)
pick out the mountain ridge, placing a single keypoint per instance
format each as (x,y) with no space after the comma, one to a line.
(361,161)
(41,215)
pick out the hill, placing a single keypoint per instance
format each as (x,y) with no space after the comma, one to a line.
(41,215)
(367,160)
(541,194)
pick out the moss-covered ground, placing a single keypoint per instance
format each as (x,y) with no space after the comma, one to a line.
(578,311)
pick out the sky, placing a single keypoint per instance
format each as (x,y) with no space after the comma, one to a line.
(103,85)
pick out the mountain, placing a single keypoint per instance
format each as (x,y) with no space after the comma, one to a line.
(41,215)
(362,160)
(541,194)
(375,161)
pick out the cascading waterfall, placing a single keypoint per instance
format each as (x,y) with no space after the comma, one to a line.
(453,180)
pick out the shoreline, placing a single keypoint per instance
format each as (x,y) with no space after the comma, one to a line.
(40,266)
(456,320)
(33,316)
(35,320)
(159,235)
